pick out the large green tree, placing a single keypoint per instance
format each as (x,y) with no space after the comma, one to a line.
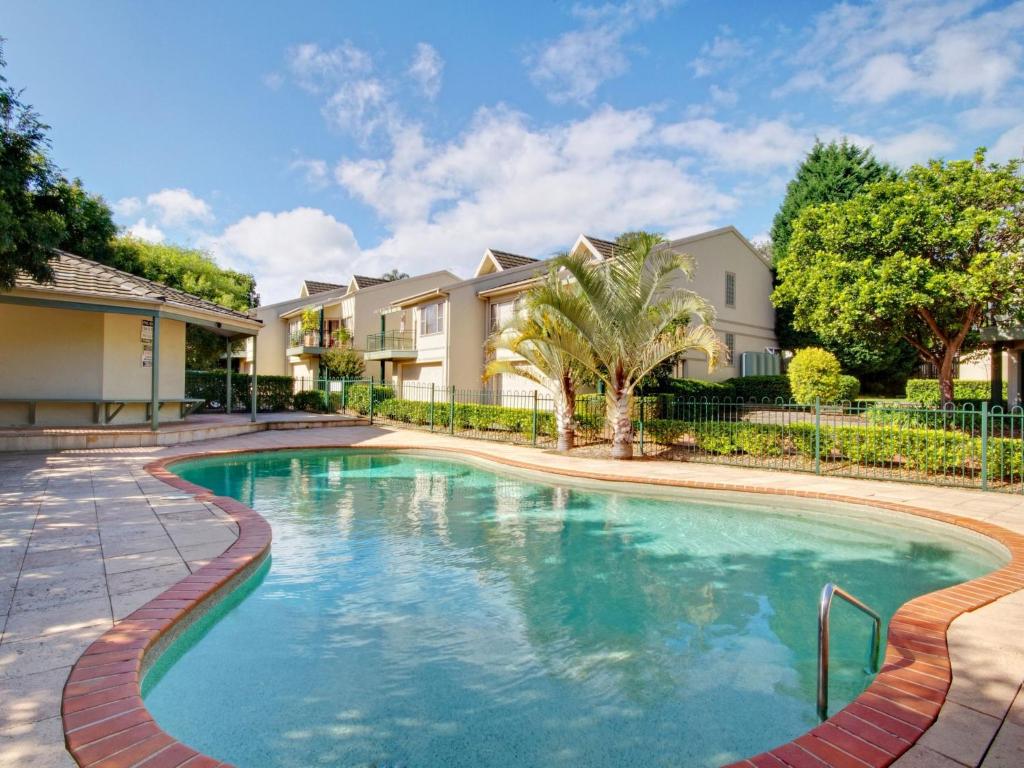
(28,233)
(925,259)
(832,173)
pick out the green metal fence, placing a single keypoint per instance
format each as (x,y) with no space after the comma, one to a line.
(972,447)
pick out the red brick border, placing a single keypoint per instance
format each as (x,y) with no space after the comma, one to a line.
(106,723)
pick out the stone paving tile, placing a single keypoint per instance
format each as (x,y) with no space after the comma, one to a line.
(147,578)
(961,734)
(35,591)
(1007,751)
(922,757)
(39,744)
(31,697)
(54,619)
(26,657)
(140,560)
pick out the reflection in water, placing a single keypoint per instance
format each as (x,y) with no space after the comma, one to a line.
(424,612)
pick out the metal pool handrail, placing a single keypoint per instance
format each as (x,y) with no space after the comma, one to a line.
(829,591)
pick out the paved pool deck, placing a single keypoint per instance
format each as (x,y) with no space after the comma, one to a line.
(87,537)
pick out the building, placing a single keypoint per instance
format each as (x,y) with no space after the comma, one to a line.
(296,332)
(100,346)
(444,344)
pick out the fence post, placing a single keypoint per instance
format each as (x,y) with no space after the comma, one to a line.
(431,406)
(371,401)
(817,435)
(641,425)
(451,413)
(984,445)
(535,417)
(344,400)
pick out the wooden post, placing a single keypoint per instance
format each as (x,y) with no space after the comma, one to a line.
(154,415)
(255,390)
(996,395)
(227,378)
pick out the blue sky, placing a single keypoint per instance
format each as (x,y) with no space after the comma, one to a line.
(316,140)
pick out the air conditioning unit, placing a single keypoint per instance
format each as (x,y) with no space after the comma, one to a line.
(760,364)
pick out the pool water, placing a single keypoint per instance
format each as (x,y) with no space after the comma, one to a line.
(422,611)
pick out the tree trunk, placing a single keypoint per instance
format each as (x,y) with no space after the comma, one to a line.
(566,422)
(622,425)
(946,377)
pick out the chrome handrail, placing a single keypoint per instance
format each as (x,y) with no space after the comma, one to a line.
(829,591)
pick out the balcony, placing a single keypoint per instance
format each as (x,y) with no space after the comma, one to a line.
(309,343)
(391,345)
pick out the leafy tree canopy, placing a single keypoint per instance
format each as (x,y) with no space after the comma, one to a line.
(922,258)
(394,274)
(27,232)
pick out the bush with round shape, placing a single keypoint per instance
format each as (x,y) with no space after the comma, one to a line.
(814,373)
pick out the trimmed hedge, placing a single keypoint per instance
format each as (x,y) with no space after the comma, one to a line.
(933,451)
(312,400)
(771,388)
(468,416)
(275,392)
(974,391)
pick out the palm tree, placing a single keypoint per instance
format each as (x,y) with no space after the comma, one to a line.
(632,318)
(546,351)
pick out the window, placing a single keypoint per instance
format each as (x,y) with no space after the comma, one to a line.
(730,348)
(502,313)
(432,319)
(730,289)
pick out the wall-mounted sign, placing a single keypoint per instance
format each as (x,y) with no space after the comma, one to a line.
(147,330)
(147,356)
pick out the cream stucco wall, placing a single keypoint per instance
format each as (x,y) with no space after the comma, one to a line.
(54,353)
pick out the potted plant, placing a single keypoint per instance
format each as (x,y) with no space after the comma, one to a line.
(310,325)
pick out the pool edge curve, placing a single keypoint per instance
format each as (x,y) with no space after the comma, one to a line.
(105,719)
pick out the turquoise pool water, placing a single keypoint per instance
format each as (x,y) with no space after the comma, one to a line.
(427,612)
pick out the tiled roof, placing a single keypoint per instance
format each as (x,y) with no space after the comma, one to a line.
(315,286)
(362,281)
(508,260)
(81,276)
(606,248)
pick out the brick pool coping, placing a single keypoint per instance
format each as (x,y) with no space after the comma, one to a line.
(106,723)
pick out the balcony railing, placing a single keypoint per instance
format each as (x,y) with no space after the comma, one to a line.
(312,339)
(391,340)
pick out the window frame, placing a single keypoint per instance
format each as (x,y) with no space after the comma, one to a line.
(438,319)
(730,349)
(730,287)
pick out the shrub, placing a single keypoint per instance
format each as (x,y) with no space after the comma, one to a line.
(695,389)
(358,397)
(850,387)
(274,392)
(343,363)
(309,400)
(965,391)
(769,388)
(815,373)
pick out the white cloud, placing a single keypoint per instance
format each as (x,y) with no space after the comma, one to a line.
(426,69)
(876,51)
(915,146)
(724,50)
(723,97)
(1009,145)
(127,207)
(315,172)
(282,249)
(318,70)
(574,65)
(179,207)
(505,184)
(145,231)
(762,146)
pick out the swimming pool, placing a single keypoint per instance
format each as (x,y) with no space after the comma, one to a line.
(428,612)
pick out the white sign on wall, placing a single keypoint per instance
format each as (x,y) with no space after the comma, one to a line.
(147,330)
(147,356)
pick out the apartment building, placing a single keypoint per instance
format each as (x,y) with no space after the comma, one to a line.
(448,323)
(296,332)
